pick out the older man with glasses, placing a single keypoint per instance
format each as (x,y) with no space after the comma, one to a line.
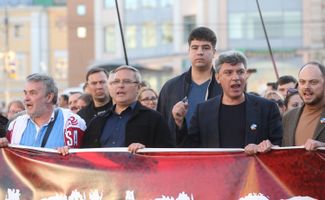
(128,123)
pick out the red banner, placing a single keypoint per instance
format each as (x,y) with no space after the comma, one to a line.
(279,174)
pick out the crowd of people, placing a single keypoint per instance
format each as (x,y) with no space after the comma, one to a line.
(205,107)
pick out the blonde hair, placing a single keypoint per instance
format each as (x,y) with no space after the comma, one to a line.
(268,95)
(143,89)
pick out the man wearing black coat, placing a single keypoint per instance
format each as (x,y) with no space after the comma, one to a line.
(235,119)
(128,123)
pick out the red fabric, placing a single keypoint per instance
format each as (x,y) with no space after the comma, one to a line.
(280,174)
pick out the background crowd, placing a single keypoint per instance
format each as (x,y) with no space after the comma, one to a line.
(206,107)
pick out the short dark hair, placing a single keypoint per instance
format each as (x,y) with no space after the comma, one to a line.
(231,57)
(203,33)
(87,98)
(65,97)
(272,84)
(95,70)
(285,80)
(291,92)
(318,64)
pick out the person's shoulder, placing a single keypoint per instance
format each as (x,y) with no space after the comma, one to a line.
(72,118)
(86,109)
(258,99)
(292,112)
(175,80)
(19,120)
(210,103)
(147,111)
(3,119)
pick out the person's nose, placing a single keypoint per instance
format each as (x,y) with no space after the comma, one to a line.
(200,51)
(235,76)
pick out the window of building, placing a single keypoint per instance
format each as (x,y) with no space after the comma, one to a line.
(18,30)
(189,25)
(81,32)
(278,25)
(166,3)
(293,24)
(110,39)
(167,33)
(21,66)
(131,36)
(149,35)
(81,10)
(131,4)
(109,3)
(149,3)
(60,70)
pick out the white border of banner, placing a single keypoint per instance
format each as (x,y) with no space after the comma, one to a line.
(150,150)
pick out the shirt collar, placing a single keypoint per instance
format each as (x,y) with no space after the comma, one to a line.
(131,106)
(51,118)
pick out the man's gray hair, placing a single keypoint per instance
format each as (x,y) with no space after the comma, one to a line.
(231,57)
(128,67)
(48,82)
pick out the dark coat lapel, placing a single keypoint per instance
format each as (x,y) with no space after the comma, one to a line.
(215,121)
(293,125)
(253,123)
(320,127)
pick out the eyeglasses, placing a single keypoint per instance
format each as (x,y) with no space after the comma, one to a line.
(292,91)
(124,82)
(147,99)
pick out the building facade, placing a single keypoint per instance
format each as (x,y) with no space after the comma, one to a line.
(155,33)
(34,39)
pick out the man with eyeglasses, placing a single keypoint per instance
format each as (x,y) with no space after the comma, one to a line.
(305,125)
(97,84)
(128,123)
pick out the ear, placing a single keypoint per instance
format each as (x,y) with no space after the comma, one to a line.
(50,97)
(217,77)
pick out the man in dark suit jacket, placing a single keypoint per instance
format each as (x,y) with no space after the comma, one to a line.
(128,123)
(235,119)
(306,125)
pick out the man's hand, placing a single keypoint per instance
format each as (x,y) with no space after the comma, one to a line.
(312,145)
(3,142)
(263,147)
(63,150)
(134,147)
(251,149)
(179,111)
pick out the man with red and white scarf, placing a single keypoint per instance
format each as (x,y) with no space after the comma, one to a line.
(44,125)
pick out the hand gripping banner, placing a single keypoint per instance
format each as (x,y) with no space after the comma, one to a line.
(161,174)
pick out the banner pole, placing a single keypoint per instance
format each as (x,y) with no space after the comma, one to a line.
(121,31)
(268,42)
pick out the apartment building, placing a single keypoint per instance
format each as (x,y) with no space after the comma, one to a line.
(33,39)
